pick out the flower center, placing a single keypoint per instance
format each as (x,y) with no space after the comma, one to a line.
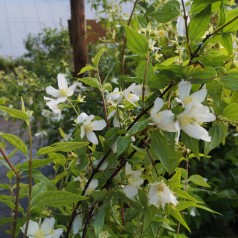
(63,92)
(88,127)
(186,120)
(39,234)
(187,100)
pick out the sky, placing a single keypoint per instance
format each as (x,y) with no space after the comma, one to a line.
(18,18)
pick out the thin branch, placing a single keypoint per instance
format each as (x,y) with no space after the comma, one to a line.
(208,36)
(17,175)
(144,80)
(124,38)
(185,16)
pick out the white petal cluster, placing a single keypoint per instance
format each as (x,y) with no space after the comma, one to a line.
(42,230)
(159,194)
(77,224)
(92,186)
(88,126)
(60,95)
(192,117)
(194,114)
(134,181)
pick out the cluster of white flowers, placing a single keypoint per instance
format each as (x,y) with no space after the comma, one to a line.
(190,120)
(43,229)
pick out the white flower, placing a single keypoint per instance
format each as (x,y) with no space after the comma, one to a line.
(91,187)
(114,97)
(77,224)
(180,21)
(88,126)
(42,230)
(53,104)
(64,91)
(138,89)
(134,181)
(164,119)
(190,121)
(130,96)
(184,88)
(103,165)
(159,194)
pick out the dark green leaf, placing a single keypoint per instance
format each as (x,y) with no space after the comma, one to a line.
(218,132)
(191,143)
(139,126)
(99,221)
(122,144)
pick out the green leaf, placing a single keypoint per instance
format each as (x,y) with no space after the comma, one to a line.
(200,5)
(167,156)
(122,144)
(207,209)
(99,221)
(16,113)
(218,133)
(227,43)
(183,194)
(15,141)
(56,199)
(139,126)
(167,12)
(182,205)
(136,42)
(62,146)
(191,143)
(198,180)
(176,214)
(86,69)
(97,57)
(5,220)
(93,82)
(233,26)
(199,24)
(37,163)
(202,73)
(231,112)
(230,81)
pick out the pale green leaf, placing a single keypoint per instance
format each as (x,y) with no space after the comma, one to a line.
(86,69)
(231,112)
(167,12)
(62,146)
(230,15)
(56,199)
(136,43)
(93,82)
(198,180)
(176,214)
(230,81)
(15,141)
(199,24)
(16,113)
(97,57)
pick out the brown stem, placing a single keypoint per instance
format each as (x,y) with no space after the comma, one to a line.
(152,162)
(185,16)
(124,38)
(17,175)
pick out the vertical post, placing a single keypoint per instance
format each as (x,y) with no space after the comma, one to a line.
(77,30)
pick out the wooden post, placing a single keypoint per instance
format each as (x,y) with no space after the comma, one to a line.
(77,30)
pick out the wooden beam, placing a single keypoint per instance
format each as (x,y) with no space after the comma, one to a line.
(77,29)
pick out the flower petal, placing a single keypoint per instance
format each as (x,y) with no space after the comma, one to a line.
(130,191)
(77,224)
(92,137)
(81,118)
(71,89)
(184,88)
(196,131)
(47,225)
(98,125)
(199,96)
(52,91)
(62,82)
(158,104)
